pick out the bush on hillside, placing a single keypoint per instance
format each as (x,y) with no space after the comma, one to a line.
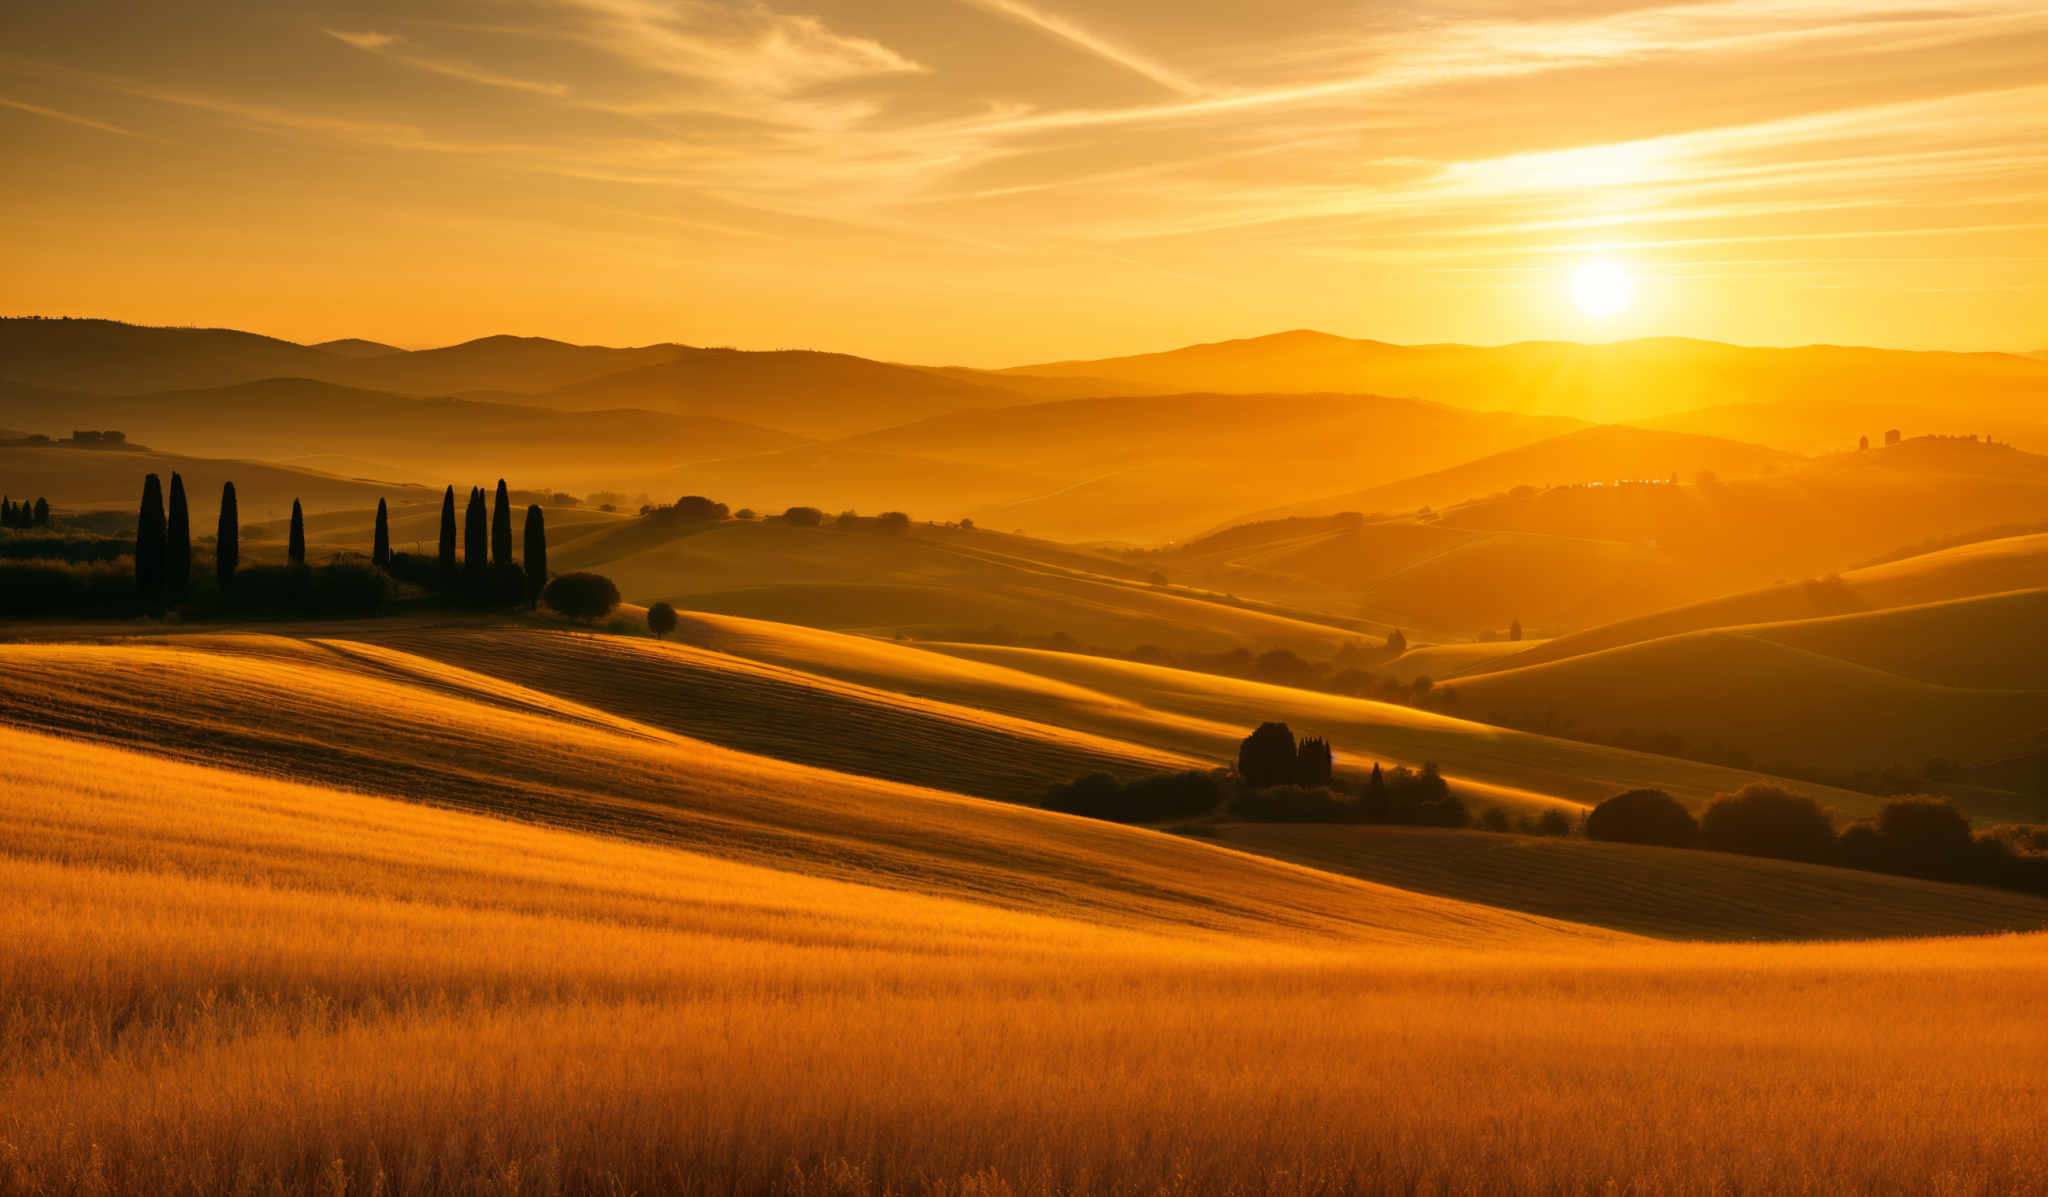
(64,546)
(1924,837)
(1267,757)
(1294,804)
(698,508)
(584,596)
(892,521)
(46,587)
(803,517)
(1643,817)
(1761,820)
(1146,800)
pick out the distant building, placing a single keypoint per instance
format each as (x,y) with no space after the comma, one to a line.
(1862,443)
(1891,436)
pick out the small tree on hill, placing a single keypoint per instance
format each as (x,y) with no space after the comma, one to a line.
(149,539)
(380,538)
(295,548)
(1515,630)
(582,596)
(1267,756)
(1761,820)
(1397,643)
(1643,817)
(227,538)
(1924,837)
(42,513)
(1312,763)
(803,517)
(697,508)
(447,558)
(501,527)
(893,521)
(178,542)
(661,620)
(536,536)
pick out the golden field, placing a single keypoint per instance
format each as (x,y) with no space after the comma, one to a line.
(220,983)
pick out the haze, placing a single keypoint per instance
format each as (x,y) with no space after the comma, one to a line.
(998,181)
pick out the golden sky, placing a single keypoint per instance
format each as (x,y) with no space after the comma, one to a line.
(989,182)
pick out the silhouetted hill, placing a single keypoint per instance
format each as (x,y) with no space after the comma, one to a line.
(357,347)
(1833,425)
(82,480)
(1606,453)
(107,357)
(799,391)
(529,365)
(1622,381)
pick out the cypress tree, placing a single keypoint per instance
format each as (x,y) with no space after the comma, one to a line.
(42,519)
(448,537)
(149,539)
(536,555)
(178,542)
(475,533)
(227,550)
(295,549)
(6,512)
(380,549)
(501,528)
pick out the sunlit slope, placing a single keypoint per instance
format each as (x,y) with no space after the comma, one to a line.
(1440,661)
(1983,567)
(930,583)
(1207,715)
(780,712)
(222,981)
(452,738)
(1965,680)
(1664,892)
(1806,425)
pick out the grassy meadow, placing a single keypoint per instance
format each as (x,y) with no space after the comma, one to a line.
(472,1005)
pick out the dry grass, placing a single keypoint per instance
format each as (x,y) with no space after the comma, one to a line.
(216,983)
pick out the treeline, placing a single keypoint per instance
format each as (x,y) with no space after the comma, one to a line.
(24,514)
(1914,836)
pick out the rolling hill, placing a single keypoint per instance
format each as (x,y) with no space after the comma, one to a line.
(1622,381)
(111,480)
(1961,679)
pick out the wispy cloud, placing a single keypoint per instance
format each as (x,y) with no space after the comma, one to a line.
(1082,39)
(391,46)
(67,117)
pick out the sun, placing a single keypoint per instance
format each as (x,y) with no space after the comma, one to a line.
(1602,289)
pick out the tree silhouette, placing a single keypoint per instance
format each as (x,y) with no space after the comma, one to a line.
(1515,630)
(380,542)
(476,541)
(582,596)
(501,528)
(227,538)
(448,536)
(178,542)
(149,539)
(1761,820)
(1643,817)
(295,548)
(42,513)
(1267,757)
(536,554)
(1374,804)
(1312,763)
(661,620)
(1397,643)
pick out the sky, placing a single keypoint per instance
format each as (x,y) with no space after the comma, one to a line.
(993,182)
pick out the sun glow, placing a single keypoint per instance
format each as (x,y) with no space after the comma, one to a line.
(1602,289)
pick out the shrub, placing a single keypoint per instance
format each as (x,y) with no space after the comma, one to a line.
(893,521)
(1761,820)
(345,588)
(1643,817)
(661,620)
(1267,756)
(1494,818)
(1553,822)
(1924,837)
(803,517)
(44,587)
(583,596)
(1146,800)
(1293,804)
(697,507)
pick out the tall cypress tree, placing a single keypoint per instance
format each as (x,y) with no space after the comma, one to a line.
(149,540)
(448,537)
(536,554)
(42,513)
(501,528)
(178,542)
(227,540)
(380,547)
(295,548)
(476,538)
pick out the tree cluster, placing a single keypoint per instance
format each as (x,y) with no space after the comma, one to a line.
(24,514)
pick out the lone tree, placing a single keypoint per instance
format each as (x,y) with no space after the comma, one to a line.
(380,542)
(536,554)
(178,542)
(501,528)
(448,536)
(582,596)
(1312,762)
(1760,820)
(803,517)
(476,536)
(227,538)
(295,548)
(1397,643)
(149,539)
(1267,756)
(661,620)
(1515,630)
(1643,817)
(42,513)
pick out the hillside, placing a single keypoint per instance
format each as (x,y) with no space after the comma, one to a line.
(1961,679)
(1607,453)
(103,480)
(427,438)
(1621,381)
(602,1014)
(1804,425)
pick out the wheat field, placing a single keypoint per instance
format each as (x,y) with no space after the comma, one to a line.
(215,982)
